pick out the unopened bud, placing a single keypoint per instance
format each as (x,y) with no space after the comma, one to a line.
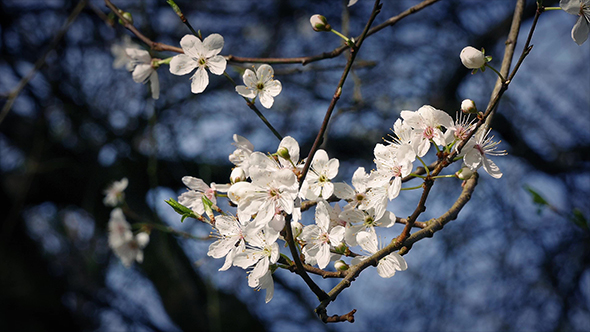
(468,106)
(340,265)
(464,173)
(142,239)
(472,58)
(319,23)
(296,228)
(284,153)
(237,175)
(127,16)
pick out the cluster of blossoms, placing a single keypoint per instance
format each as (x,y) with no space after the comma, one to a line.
(265,189)
(202,56)
(127,246)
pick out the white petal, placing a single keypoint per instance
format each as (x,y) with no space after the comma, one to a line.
(141,56)
(264,73)
(245,92)
(192,46)
(217,65)
(142,72)
(570,6)
(343,190)
(182,64)
(491,168)
(213,45)
(250,79)
(367,241)
(195,183)
(273,87)
(265,99)
(394,188)
(580,30)
(155,85)
(200,80)
(387,220)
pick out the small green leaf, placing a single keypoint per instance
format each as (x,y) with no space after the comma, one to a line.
(579,219)
(182,210)
(537,198)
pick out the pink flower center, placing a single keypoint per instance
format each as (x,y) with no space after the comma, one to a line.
(428,133)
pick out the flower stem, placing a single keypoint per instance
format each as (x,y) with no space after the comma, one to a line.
(497,72)
(425,166)
(444,176)
(552,8)
(346,39)
(164,62)
(412,188)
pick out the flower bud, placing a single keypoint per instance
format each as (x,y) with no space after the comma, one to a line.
(340,265)
(468,106)
(464,173)
(284,153)
(472,58)
(319,23)
(142,239)
(127,16)
(237,175)
(296,228)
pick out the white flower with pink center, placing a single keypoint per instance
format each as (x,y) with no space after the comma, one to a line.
(193,198)
(320,237)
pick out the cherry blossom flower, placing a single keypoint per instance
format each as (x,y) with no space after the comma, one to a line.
(231,241)
(582,27)
(387,265)
(364,221)
(261,84)
(119,52)
(362,196)
(143,71)
(197,189)
(388,167)
(264,282)
(241,155)
(114,193)
(269,192)
(319,237)
(427,122)
(201,55)
(125,246)
(262,251)
(317,182)
(476,151)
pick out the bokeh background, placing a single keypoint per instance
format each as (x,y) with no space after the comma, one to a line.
(506,263)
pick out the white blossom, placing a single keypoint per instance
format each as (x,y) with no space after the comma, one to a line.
(261,84)
(141,62)
(201,55)
(318,180)
(197,189)
(475,153)
(124,244)
(319,238)
(387,265)
(582,27)
(114,193)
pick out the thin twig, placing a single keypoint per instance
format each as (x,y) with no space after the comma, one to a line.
(152,44)
(41,61)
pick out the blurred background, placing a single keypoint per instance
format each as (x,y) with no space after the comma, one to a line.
(511,261)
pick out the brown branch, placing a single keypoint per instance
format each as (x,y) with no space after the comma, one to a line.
(373,260)
(303,60)
(152,44)
(349,317)
(41,61)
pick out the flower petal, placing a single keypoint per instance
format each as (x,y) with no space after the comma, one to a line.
(217,64)
(213,45)
(141,73)
(580,30)
(200,80)
(245,92)
(265,99)
(155,85)
(192,46)
(273,87)
(182,64)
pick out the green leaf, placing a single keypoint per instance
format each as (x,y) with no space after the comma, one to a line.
(579,219)
(181,209)
(537,198)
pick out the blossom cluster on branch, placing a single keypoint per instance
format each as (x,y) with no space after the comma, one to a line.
(273,193)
